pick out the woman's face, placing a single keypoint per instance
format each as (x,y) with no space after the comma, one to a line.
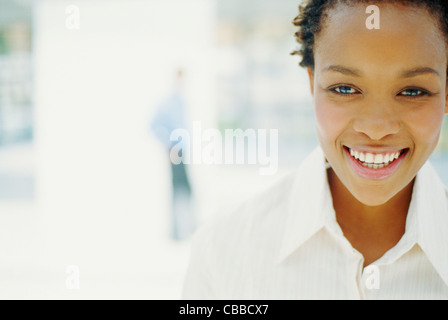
(379,97)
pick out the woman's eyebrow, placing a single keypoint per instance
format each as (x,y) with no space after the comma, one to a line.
(343,70)
(403,74)
(417,72)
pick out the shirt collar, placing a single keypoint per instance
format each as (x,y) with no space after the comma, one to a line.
(310,209)
(430,211)
(309,203)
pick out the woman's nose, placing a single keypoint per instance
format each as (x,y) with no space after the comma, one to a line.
(377,120)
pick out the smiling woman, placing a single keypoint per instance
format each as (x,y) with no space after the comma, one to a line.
(368,195)
(380,95)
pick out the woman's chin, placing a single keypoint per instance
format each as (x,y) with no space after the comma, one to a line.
(372,200)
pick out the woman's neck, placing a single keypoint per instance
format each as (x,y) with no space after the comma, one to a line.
(372,230)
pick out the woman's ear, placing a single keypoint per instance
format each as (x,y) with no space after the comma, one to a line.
(446,105)
(311,78)
(446,98)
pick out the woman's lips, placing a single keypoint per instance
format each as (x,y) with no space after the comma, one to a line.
(375,165)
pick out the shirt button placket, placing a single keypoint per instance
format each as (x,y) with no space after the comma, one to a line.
(355,276)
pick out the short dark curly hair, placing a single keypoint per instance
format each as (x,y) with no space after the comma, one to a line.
(313,12)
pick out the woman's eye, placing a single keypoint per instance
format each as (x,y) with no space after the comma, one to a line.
(412,93)
(344,90)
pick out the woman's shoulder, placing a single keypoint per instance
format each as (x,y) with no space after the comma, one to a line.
(256,216)
(265,211)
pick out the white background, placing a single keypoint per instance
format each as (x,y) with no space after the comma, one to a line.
(102,181)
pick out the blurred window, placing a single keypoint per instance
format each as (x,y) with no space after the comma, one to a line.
(15,71)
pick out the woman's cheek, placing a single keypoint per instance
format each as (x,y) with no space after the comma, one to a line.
(425,123)
(331,118)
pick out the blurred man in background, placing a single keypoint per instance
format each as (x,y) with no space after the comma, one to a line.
(171,115)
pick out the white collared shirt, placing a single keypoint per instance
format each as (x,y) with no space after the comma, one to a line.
(286,244)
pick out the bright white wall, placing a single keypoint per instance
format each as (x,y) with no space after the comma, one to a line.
(102,180)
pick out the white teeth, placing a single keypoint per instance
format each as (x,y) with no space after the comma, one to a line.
(375,161)
(369,158)
(378,158)
(374,165)
(362,157)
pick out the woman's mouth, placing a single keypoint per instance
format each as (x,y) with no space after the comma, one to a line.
(375,165)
